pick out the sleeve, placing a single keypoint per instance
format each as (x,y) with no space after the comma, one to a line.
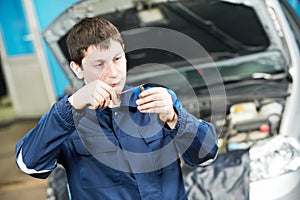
(38,151)
(195,139)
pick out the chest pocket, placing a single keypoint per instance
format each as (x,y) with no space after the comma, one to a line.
(97,165)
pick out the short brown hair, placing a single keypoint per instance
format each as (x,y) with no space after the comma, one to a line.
(90,31)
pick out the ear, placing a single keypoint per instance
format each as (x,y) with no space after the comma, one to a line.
(76,69)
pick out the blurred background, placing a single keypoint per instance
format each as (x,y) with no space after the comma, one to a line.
(31,80)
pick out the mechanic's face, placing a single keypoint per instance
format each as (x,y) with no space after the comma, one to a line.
(107,65)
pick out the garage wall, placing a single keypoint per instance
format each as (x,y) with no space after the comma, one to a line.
(47,12)
(34,79)
(25,69)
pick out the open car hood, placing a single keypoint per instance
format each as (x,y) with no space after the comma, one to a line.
(216,25)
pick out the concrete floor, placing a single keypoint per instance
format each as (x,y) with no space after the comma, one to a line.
(15,185)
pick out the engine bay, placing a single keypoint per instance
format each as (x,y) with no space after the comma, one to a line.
(249,122)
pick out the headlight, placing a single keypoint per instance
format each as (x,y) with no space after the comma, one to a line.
(274,157)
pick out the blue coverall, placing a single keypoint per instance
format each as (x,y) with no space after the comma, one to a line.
(117,153)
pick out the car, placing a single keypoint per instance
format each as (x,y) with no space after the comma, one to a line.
(234,63)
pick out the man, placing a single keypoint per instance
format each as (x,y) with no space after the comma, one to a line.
(115,144)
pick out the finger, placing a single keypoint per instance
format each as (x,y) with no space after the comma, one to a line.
(151,91)
(165,113)
(95,102)
(151,105)
(161,104)
(151,98)
(103,94)
(150,110)
(106,103)
(103,99)
(109,90)
(162,111)
(115,99)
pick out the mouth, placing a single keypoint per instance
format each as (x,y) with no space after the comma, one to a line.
(114,84)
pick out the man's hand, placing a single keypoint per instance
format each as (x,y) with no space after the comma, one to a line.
(158,100)
(96,94)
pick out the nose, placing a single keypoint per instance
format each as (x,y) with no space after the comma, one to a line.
(112,70)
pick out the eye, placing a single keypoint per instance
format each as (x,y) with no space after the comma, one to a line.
(99,65)
(118,58)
